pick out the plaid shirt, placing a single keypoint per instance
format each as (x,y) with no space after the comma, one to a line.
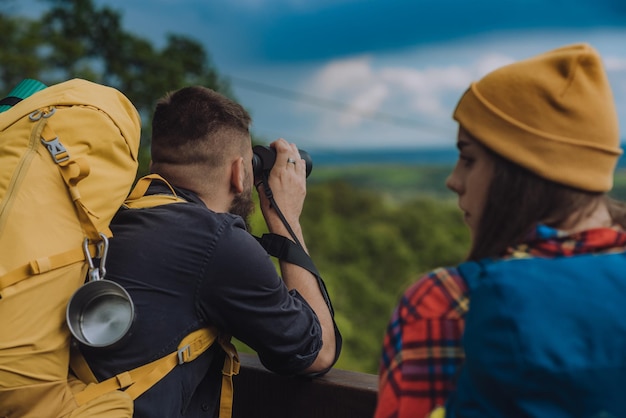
(422,351)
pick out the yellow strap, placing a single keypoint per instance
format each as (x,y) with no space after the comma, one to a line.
(79,366)
(137,199)
(143,183)
(152,200)
(73,170)
(231,368)
(438,412)
(144,377)
(45,264)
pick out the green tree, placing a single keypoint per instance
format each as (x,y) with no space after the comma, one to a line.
(76,38)
(369,251)
(18,51)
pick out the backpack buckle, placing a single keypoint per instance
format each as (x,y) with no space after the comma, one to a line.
(42,113)
(184,353)
(56,149)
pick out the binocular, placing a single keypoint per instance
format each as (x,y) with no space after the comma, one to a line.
(263,159)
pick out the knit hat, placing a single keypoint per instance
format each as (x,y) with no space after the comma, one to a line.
(552,114)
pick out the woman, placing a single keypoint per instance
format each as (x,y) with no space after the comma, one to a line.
(538,143)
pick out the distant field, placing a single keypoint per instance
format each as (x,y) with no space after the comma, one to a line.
(619,185)
(405,181)
(399,182)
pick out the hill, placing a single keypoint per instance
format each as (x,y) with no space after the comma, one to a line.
(419,156)
(429,156)
(402,174)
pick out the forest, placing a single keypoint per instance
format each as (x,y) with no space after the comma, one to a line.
(371,230)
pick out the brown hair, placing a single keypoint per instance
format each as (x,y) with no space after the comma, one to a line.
(196,125)
(518,199)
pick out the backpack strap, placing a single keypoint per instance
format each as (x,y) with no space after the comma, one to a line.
(231,368)
(438,412)
(137,199)
(79,366)
(139,380)
(45,264)
(73,170)
(142,378)
(471,272)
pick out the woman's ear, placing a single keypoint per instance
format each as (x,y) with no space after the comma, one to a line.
(238,175)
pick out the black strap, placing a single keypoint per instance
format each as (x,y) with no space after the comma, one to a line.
(285,249)
(10,101)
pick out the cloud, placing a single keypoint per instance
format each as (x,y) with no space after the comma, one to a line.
(367,103)
(490,62)
(406,98)
(423,90)
(344,75)
(423,94)
(355,84)
(615,64)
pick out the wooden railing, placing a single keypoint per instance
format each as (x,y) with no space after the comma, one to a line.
(339,393)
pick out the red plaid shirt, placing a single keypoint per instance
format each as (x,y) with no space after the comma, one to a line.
(422,350)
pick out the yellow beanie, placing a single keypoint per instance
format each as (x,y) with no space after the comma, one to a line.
(552,114)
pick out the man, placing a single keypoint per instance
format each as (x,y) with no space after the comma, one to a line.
(193,264)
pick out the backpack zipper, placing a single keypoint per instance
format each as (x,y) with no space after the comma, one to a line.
(22,167)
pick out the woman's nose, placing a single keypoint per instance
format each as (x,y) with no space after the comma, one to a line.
(452,183)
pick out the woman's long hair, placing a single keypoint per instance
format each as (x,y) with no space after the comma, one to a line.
(517,200)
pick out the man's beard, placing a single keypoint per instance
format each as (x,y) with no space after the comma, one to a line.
(243,205)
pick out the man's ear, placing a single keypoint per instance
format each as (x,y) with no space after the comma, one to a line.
(237,175)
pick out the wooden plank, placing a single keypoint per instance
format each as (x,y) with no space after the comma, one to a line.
(339,393)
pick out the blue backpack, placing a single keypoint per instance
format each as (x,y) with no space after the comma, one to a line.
(544,338)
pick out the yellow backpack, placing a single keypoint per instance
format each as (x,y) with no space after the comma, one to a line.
(68,158)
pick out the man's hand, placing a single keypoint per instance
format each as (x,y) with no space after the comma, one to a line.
(287,180)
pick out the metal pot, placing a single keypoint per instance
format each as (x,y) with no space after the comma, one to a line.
(101,312)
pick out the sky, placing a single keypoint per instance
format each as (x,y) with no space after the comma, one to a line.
(374,74)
